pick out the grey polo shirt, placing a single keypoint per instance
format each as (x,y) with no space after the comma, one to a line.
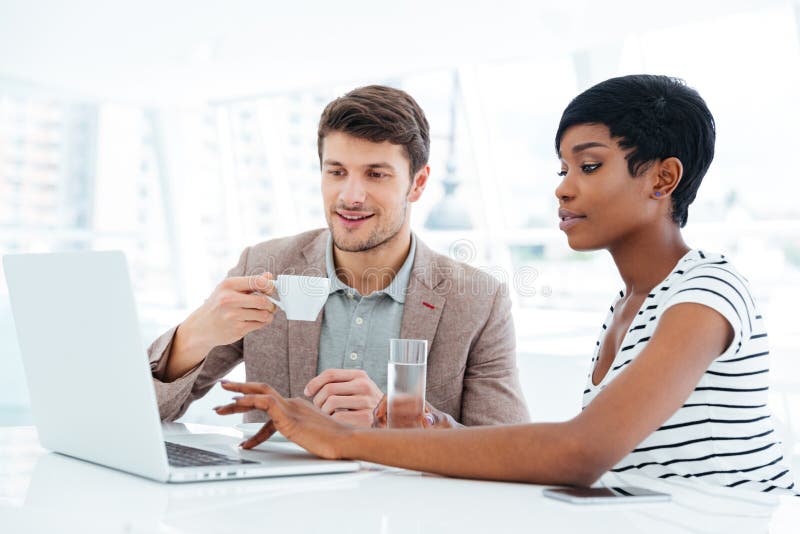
(356,329)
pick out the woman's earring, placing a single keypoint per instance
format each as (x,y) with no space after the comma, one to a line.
(658,193)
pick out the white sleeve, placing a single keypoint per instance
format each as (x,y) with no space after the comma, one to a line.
(722,290)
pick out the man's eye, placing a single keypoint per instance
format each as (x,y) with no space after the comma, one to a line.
(336,172)
(562,173)
(589,168)
(376,175)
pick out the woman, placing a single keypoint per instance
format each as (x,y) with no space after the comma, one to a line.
(679,379)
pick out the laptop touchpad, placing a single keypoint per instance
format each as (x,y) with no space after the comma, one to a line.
(229,445)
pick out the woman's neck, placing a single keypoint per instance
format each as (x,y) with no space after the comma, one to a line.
(646,258)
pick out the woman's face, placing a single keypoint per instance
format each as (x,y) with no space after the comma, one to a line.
(600,203)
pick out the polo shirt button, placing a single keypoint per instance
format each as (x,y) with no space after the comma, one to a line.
(359,320)
(350,295)
(353,355)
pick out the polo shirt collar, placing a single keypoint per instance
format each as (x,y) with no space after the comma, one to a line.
(396,288)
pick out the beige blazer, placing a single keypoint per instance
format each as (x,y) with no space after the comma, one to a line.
(464,313)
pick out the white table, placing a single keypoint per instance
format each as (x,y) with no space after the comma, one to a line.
(46,492)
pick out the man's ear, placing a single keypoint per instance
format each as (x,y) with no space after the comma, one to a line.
(667,176)
(418,183)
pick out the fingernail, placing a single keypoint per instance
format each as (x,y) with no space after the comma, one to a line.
(223,381)
(429,418)
(237,397)
(216,408)
(305,392)
(242,443)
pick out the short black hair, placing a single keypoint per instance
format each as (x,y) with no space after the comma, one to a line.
(658,117)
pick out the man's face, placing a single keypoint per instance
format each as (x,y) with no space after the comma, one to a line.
(366,188)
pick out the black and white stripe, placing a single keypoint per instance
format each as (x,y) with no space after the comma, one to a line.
(723,433)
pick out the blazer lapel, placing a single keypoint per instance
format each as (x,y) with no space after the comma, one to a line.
(303,336)
(423,307)
(421,312)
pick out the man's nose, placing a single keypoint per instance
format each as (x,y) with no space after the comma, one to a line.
(353,192)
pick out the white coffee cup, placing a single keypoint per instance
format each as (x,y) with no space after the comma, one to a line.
(301,297)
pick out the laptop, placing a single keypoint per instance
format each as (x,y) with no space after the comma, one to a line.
(89,380)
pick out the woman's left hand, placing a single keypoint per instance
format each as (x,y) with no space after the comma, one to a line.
(297,419)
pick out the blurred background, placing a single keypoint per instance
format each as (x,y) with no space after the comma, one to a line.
(181,132)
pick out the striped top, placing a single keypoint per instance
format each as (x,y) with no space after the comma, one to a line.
(723,434)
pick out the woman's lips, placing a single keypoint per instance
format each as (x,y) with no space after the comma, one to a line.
(569,218)
(569,222)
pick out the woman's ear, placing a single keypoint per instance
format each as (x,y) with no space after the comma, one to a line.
(668,174)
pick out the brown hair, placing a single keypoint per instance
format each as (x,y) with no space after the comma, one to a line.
(378,113)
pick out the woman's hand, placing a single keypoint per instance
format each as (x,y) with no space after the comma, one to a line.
(297,419)
(431,417)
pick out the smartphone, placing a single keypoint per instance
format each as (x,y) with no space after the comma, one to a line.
(605,495)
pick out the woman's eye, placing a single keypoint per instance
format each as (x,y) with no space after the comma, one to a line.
(589,168)
(562,173)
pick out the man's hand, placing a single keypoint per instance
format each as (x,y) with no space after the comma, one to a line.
(348,395)
(237,306)
(431,418)
(296,419)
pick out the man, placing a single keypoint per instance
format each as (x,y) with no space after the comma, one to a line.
(373,146)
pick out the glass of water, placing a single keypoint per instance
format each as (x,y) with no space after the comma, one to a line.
(408,360)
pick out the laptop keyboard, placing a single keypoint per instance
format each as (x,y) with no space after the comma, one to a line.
(183,456)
